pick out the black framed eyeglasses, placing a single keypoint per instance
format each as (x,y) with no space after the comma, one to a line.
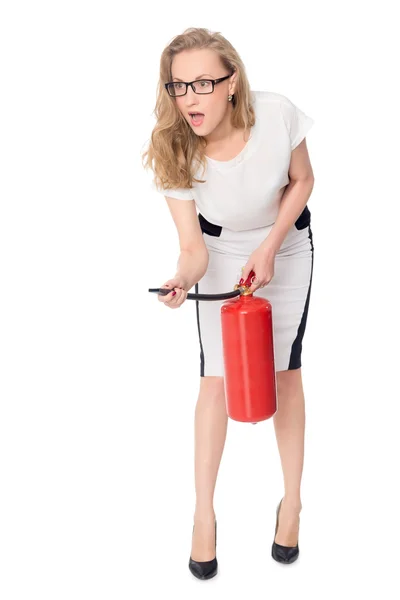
(199,86)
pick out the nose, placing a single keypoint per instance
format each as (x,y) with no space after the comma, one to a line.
(190,96)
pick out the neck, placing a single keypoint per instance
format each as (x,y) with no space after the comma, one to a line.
(224,132)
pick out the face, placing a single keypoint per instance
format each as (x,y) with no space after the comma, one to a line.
(190,65)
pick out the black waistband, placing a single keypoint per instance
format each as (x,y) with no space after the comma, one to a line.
(209,228)
(302,222)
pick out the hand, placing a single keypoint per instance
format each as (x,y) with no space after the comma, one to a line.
(262,262)
(178,294)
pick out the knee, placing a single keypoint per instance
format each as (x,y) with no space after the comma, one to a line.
(287,381)
(212,386)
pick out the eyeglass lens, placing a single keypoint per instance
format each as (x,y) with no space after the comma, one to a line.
(202,86)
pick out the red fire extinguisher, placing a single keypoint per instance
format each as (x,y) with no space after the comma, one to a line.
(248,349)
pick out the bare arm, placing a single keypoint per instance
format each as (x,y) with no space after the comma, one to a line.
(193,258)
(295,196)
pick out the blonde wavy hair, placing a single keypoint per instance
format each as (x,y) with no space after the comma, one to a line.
(175,151)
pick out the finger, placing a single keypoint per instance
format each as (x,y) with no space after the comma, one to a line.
(169,284)
(174,298)
(179,298)
(167,298)
(256,283)
(182,297)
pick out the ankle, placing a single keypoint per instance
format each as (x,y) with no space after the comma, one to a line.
(204,514)
(293,502)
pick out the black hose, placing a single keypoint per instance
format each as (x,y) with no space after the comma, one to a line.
(222,296)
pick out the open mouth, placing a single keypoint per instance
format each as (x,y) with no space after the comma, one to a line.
(196,118)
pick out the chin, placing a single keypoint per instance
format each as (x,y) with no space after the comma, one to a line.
(201,131)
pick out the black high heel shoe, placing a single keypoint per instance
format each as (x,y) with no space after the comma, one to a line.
(283,554)
(207,568)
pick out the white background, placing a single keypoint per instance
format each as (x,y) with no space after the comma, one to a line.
(99,380)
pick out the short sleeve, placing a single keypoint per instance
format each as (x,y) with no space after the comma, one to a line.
(179,193)
(297,122)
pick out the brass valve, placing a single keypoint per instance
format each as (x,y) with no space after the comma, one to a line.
(244,290)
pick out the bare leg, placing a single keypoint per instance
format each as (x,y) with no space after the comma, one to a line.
(211,422)
(289,424)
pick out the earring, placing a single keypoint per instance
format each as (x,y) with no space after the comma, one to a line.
(230,97)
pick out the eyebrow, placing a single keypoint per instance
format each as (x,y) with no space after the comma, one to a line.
(198,76)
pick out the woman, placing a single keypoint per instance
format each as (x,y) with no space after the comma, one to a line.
(253,215)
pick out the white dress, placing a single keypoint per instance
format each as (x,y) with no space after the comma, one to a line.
(237,207)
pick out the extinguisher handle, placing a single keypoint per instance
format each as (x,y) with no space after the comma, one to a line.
(249,279)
